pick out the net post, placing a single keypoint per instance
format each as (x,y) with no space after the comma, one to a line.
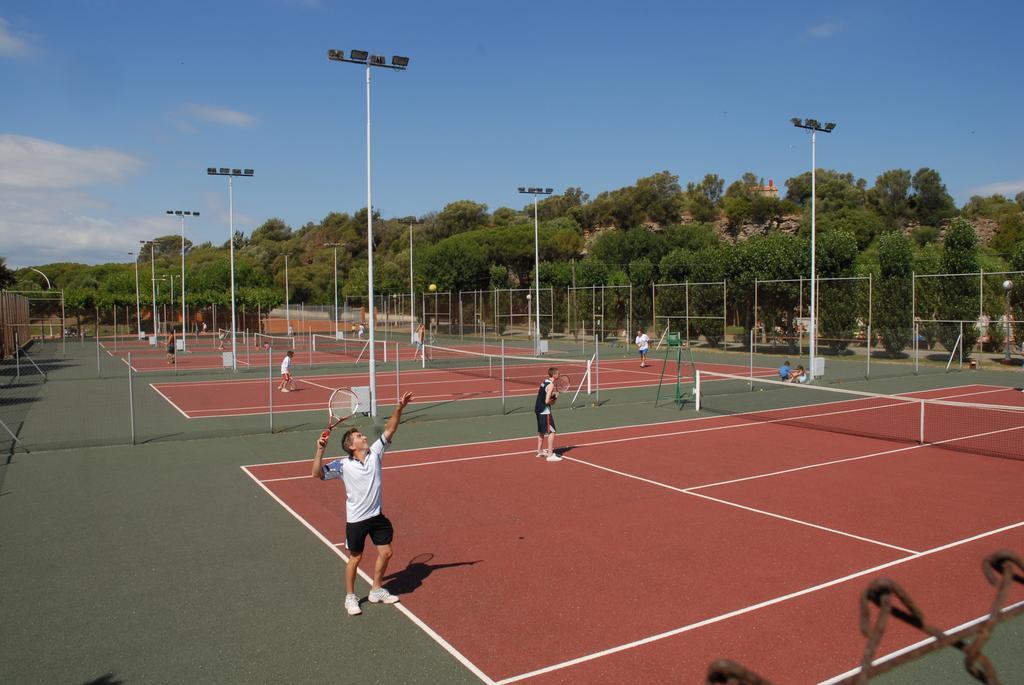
(920,428)
(96,330)
(753,333)
(503,377)
(697,390)
(917,362)
(270,385)
(131,398)
(597,366)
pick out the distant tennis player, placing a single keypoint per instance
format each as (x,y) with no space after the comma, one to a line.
(420,341)
(287,384)
(171,345)
(221,337)
(643,343)
(546,396)
(361,473)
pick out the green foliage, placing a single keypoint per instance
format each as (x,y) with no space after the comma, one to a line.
(924,235)
(835,190)
(894,308)
(676,265)
(619,248)
(641,272)
(862,223)
(499,277)
(931,203)
(591,272)
(554,274)
(959,300)
(890,196)
(274,230)
(459,217)
(657,198)
(505,216)
(6,275)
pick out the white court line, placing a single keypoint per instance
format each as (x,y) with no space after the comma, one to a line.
(753,607)
(741,506)
(152,385)
(362,574)
(696,419)
(927,641)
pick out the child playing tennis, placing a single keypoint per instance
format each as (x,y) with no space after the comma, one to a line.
(287,384)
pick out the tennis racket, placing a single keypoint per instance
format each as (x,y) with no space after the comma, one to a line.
(342,405)
(562,383)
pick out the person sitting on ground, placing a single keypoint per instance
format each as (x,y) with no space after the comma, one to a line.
(797,375)
(785,371)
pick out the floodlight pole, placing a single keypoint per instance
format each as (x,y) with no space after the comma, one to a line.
(536,258)
(41,274)
(412,298)
(287,301)
(231,174)
(181,214)
(814,127)
(397,64)
(138,309)
(152,257)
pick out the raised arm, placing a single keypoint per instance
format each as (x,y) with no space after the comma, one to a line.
(321,445)
(396,417)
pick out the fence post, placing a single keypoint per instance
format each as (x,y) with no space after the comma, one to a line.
(131,397)
(270,384)
(398,373)
(597,366)
(503,377)
(870,338)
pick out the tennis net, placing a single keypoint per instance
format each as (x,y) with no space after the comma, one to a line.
(990,429)
(353,350)
(280,342)
(514,369)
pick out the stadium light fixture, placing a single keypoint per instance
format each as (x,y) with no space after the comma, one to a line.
(398,63)
(231,174)
(181,214)
(815,127)
(536,192)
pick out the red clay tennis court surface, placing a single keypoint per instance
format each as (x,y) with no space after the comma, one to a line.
(241,397)
(652,550)
(206,355)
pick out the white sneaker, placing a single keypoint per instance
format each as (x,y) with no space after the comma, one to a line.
(285,390)
(382,595)
(554,457)
(542,454)
(352,605)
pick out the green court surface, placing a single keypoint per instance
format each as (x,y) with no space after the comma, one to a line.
(164,562)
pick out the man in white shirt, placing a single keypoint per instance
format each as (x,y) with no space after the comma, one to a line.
(643,343)
(361,473)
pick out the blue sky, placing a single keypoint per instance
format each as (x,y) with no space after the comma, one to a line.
(113,109)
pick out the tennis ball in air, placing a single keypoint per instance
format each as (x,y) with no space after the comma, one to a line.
(432,288)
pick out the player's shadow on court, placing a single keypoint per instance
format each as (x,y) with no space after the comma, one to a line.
(410,578)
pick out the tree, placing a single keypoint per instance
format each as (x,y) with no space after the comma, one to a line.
(862,223)
(959,300)
(894,306)
(702,199)
(890,196)
(840,302)
(459,217)
(931,203)
(835,190)
(272,229)
(6,275)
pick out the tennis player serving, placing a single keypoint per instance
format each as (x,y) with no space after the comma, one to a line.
(361,473)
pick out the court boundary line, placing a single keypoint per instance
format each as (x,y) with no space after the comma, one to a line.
(635,425)
(157,391)
(753,607)
(416,620)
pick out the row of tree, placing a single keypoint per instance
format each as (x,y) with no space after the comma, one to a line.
(651,231)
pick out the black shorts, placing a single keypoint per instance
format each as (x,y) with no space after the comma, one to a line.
(377,527)
(545,424)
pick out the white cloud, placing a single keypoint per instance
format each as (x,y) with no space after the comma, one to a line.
(1005,188)
(34,163)
(11,45)
(824,30)
(43,226)
(220,115)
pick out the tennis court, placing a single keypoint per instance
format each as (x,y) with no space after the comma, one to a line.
(458,378)
(654,549)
